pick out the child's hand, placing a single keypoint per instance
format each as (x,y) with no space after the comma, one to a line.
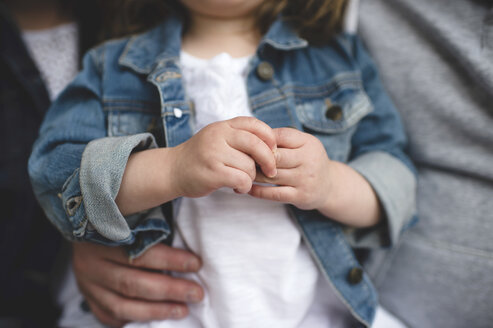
(309,180)
(224,154)
(303,172)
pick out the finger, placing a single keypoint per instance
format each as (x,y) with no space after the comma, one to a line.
(163,257)
(289,138)
(287,158)
(282,194)
(257,127)
(253,146)
(150,286)
(242,162)
(235,179)
(104,317)
(284,177)
(124,309)
(158,257)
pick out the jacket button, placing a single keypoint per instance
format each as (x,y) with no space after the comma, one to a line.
(84,306)
(265,71)
(355,276)
(333,112)
(177,112)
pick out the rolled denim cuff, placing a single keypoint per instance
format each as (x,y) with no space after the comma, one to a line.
(395,185)
(146,229)
(151,229)
(101,171)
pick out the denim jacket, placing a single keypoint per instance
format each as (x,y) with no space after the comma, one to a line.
(129,97)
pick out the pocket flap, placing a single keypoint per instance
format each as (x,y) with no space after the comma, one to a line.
(336,112)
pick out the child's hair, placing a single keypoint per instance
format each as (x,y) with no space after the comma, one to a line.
(315,20)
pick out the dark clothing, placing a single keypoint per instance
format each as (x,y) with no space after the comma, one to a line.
(28,242)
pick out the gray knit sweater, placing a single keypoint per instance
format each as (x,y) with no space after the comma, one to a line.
(436,59)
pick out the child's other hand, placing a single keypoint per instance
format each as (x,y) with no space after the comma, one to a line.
(303,172)
(224,154)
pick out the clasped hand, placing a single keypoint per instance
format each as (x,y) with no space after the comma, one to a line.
(227,154)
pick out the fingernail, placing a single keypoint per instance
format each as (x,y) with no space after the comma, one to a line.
(176,312)
(193,295)
(272,173)
(192,265)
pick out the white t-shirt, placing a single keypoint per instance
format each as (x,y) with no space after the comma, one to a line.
(55,52)
(257,272)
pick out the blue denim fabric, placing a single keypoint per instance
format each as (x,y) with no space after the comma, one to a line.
(126,99)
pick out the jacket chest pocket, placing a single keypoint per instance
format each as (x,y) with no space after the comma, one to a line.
(130,120)
(334,118)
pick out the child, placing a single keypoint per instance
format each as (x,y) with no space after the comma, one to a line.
(224,87)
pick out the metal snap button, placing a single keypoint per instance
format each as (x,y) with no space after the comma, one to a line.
(177,112)
(333,111)
(265,71)
(355,276)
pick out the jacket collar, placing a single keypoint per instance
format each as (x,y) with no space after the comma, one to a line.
(282,36)
(145,51)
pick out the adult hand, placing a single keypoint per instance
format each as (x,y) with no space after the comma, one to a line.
(118,291)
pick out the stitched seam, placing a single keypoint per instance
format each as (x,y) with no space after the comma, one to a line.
(109,100)
(128,108)
(339,82)
(293,92)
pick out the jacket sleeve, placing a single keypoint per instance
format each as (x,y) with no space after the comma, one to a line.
(76,170)
(378,154)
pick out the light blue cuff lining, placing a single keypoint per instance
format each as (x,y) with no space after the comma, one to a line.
(101,171)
